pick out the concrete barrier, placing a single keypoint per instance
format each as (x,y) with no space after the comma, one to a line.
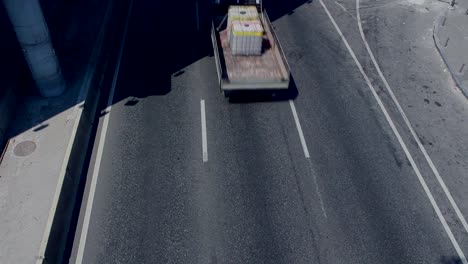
(60,217)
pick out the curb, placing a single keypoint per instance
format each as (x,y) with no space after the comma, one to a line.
(58,224)
(439,46)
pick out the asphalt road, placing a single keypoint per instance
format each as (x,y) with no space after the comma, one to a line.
(257,198)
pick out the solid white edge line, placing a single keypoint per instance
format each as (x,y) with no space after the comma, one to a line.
(436,208)
(410,127)
(299,129)
(102,138)
(203,125)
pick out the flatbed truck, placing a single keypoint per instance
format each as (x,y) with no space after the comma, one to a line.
(267,71)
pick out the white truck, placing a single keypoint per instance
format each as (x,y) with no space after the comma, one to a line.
(267,70)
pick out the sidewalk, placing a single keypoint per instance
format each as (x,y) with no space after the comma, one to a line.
(48,138)
(451,39)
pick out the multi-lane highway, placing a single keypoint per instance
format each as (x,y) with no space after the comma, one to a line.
(327,173)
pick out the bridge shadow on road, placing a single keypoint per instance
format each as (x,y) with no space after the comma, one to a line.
(163,39)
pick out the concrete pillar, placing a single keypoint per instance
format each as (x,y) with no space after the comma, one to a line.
(33,35)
